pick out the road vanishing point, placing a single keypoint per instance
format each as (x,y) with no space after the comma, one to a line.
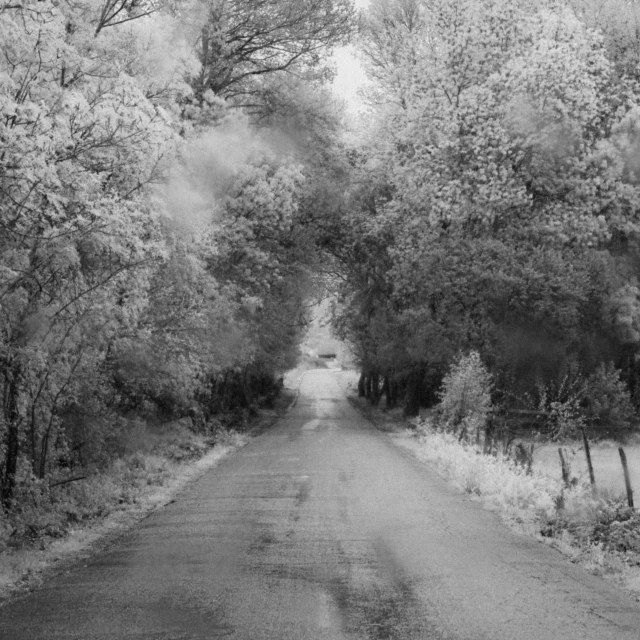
(323,529)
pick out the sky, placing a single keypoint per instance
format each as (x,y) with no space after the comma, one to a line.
(350,76)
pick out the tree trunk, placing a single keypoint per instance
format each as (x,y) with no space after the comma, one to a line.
(245,388)
(489,434)
(33,438)
(564,468)
(44,452)
(44,448)
(412,406)
(362,389)
(375,388)
(12,420)
(224,400)
(388,392)
(393,388)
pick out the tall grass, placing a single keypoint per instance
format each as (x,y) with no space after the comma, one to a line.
(596,529)
(499,480)
(54,523)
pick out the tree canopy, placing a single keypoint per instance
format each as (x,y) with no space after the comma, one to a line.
(154,250)
(175,179)
(495,207)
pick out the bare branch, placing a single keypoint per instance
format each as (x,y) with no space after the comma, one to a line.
(67,481)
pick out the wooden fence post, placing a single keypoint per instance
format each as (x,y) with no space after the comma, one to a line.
(587,451)
(564,465)
(627,479)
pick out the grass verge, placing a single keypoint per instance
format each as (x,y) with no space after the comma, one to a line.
(597,531)
(90,513)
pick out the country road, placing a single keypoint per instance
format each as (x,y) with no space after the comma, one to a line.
(322,528)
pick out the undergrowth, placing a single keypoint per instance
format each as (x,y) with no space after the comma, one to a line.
(62,523)
(597,530)
(54,522)
(47,510)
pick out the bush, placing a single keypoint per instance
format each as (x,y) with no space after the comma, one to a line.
(465,399)
(600,401)
(47,508)
(559,401)
(607,402)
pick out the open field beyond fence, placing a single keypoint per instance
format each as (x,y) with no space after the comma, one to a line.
(606,464)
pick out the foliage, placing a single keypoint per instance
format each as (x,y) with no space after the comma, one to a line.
(606,401)
(591,527)
(243,43)
(48,509)
(155,245)
(617,529)
(600,402)
(466,394)
(81,139)
(494,201)
(498,479)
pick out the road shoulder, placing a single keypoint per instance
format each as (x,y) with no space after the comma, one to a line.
(26,569)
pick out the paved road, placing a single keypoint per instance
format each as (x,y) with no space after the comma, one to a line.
(323,529)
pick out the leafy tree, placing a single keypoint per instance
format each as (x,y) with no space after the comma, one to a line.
(243,43)
(495,206)
(81,139)
(111,307)
(466,394)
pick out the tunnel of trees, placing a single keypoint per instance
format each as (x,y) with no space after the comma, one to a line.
(175,179)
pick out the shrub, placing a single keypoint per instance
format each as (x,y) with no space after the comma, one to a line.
(601,401)
(617,528)
(465,398)
(559,400)
(607,402)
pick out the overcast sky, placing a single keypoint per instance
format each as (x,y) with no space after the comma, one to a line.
(350,74)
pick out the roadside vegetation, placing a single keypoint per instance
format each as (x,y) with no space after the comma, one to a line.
(490,255)
(514,473)
(66,523)
(52,526)
(595,529)
(494,207)
(163,166)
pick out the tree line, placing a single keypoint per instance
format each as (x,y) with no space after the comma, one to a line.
(175,180)
(161,164)
(494,205)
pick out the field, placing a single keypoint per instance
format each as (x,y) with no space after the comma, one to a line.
(606,464)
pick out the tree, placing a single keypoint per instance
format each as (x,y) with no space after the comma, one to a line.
(111,308)
(508,191)
(81,139)
(243,43)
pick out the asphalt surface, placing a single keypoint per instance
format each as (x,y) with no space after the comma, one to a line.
(322,529)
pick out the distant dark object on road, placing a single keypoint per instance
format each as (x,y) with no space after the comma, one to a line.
(327,356)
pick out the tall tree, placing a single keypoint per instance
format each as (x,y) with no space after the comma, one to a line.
(85,127)
(245,42)
(499,177)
